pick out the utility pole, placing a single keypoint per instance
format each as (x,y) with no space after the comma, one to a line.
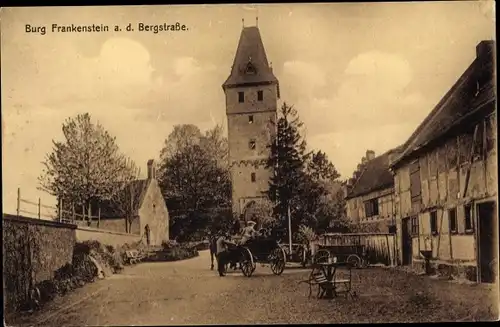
(289,229)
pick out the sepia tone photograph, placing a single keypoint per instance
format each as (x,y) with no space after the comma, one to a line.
(249,164)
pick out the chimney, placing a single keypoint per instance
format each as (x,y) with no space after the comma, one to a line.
(370,155)
(151,169)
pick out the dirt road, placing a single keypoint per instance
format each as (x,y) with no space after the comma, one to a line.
(187,292)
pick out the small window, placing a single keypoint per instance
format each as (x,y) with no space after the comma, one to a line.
(260,95)
(414,225)
(371,208)
(241,97)
(452,218)
(434,228)
(468,218)
(250,119)
(252,177)
(251,144)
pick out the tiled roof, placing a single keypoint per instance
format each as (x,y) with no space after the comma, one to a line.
(460,101)
(375,176)
(250,50)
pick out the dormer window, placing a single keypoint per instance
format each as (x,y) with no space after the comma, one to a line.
(250,69)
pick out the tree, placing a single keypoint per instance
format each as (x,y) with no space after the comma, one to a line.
(194,177)
(216,144)
(86,165)
(321,168)
(305,182)
(194,180)
(126,201)
(288,160)
(181,137)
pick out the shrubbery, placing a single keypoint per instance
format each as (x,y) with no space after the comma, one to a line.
(173,251)
(82,270)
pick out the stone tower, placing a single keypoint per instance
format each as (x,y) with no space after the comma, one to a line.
(252,92)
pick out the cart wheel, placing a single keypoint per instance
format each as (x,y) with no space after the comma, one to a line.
(321,256)
(278,261)
(247,264)
(355,261)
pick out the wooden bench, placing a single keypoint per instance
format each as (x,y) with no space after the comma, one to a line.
(133,256)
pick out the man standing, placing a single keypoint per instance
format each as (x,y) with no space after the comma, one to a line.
(222,253)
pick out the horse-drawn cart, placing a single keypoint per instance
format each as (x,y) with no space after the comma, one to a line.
(355,255)
(259,250)
(300,253)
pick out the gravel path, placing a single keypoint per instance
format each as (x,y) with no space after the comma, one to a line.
(187,292)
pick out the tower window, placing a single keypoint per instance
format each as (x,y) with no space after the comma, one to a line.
(251,144)
(252,177)
(250,119)
(241,97)
(260,95)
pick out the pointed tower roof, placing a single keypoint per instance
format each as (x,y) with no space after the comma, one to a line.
(250,66)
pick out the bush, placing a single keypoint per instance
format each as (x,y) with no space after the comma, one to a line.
(169,244)
(82,270)
(175,252)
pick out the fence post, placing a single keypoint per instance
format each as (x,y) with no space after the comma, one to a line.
(60,209)
(39,208)
(73,211)
(99,218)
(89,215)
(83,212)
(18,201)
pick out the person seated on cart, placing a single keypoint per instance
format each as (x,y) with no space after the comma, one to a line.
(248,232)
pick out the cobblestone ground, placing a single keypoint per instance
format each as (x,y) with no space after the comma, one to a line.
(187,292)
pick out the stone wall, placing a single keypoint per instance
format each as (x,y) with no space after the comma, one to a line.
(105,237)
(249,121)
(111,224)
(33,250)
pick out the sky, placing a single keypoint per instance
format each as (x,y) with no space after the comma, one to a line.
(361,75)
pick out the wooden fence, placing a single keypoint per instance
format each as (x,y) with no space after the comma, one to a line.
(380,247)
(57,213)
